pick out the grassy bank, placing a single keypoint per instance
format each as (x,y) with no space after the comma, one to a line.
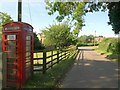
(110,47)
(51,78)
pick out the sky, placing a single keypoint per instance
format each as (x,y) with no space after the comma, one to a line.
(34,13)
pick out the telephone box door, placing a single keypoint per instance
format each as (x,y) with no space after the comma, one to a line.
(11,51)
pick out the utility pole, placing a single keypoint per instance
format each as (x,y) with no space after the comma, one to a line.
(19,10)
(94,38)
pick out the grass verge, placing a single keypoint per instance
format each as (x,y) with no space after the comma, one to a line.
(111,48)
(52,77)
(109,55)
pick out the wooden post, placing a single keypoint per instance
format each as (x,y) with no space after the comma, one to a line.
(68,54)
(44,61)
(57,56)
(51,58)
(65,54)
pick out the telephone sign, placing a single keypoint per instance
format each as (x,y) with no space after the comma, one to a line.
(17,48)
(11,37)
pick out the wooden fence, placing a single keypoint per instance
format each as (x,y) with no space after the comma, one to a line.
(44,60)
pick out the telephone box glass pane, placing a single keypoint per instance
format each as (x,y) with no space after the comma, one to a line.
(11,60)
(28,73)
(28,48)
(28,43)
(11,48)
(12,72)
(10,77)
(28,37)
(11,66)
(28,54)
(28,64)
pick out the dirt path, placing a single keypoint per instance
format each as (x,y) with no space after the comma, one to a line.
(91,70)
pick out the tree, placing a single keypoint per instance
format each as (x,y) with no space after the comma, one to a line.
(76,10)
(37,43)
(58,35)
(90,38)
(5,18)
(72,10)
(82,39)
(113,13)
(114,16)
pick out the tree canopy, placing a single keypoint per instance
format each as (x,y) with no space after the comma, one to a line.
(72,11)
(76,11)
(113,13)
(58,35)
(5,18)
(37,44)
(86,39)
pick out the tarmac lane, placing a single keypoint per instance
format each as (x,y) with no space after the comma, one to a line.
(91,70)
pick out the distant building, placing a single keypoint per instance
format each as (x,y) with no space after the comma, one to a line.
(99,39)
(41,37)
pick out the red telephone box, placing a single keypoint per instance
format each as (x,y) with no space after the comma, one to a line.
(17,44)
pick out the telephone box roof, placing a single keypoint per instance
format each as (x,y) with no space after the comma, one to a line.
(17,23)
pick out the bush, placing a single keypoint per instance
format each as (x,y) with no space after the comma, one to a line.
(37,44)
(111,47)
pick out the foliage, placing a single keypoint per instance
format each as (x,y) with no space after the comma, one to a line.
(84,39)
(110,46)
(114,16)
(58,35)
(37,43)
(73,11)
(5,18)
(113,13)
(76,10)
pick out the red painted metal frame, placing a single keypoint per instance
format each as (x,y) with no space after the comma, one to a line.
(21,47)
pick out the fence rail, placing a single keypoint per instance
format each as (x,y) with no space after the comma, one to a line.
(46,59)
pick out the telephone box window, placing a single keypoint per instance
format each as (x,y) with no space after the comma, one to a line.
(28,37)
(11,66)
(10,77)
(11,37)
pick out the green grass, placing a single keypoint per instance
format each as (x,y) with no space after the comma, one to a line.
(52,77)
(109,47)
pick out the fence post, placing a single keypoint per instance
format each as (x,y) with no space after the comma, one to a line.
(68,54)
(65,54)
(51,58)
(44,61)
(57,56)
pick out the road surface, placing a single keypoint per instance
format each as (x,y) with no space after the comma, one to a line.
(91,70)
